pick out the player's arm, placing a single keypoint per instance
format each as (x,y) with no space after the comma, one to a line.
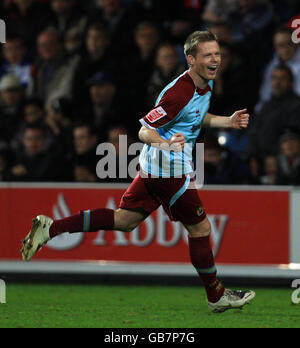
(239,120)
(152,138)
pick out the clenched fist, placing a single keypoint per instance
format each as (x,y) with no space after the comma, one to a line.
(177,142)
(240,119)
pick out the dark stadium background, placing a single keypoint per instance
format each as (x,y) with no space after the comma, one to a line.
(132,49)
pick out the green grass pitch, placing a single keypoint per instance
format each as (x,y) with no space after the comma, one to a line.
(96,306)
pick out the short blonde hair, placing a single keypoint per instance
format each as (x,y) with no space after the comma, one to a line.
(191,44)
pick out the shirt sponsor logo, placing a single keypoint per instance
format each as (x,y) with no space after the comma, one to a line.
(156,114)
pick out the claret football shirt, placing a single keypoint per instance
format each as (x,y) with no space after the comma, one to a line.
(180,108)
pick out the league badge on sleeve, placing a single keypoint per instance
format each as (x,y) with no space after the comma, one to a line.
(156,114)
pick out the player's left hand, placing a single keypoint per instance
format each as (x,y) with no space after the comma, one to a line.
(240,119)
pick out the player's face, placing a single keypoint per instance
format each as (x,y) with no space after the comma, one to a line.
(207,61)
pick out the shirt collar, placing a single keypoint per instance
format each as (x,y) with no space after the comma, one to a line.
(199,90)
(203,91)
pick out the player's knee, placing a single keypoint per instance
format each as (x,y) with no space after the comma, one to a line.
(207,226)
(122,221)
(202,229)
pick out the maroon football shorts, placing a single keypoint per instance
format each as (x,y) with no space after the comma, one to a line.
(178,196)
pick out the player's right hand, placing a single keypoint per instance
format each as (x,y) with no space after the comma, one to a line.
(177,142)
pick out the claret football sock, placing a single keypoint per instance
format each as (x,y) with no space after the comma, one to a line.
(202,259)
(85,221)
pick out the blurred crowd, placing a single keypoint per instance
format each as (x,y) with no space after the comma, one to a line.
(74,74)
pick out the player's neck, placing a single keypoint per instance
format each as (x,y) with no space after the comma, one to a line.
(199,81)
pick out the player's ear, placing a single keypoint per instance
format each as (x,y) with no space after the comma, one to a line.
(190,60)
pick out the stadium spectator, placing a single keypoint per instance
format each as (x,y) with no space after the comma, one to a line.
(269,170)
(236,85)
(140,60)
(114,133)
(26,18)
(84,158)
(68,19)
(96,57)
(221,167)
(167,68)
(11,98)
(15,60)
(36,162)
(120,137)
(223,32)
(146,39)
(103,107)
(281,112)
(180,19)
(122,40)
(285,52)
(54,71)
(120,19)
(33,112)
(235,88)
(59,120)
(253,23)
(288,172)
(216,11)
(225,35)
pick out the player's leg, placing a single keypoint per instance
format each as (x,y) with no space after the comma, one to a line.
(126,220)
(44,228)
(136,204)
(203,260)
(188,209)
(99,219)
(181,202)
(219,298)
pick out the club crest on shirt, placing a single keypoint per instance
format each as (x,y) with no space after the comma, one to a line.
(156,114)
(200,211)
